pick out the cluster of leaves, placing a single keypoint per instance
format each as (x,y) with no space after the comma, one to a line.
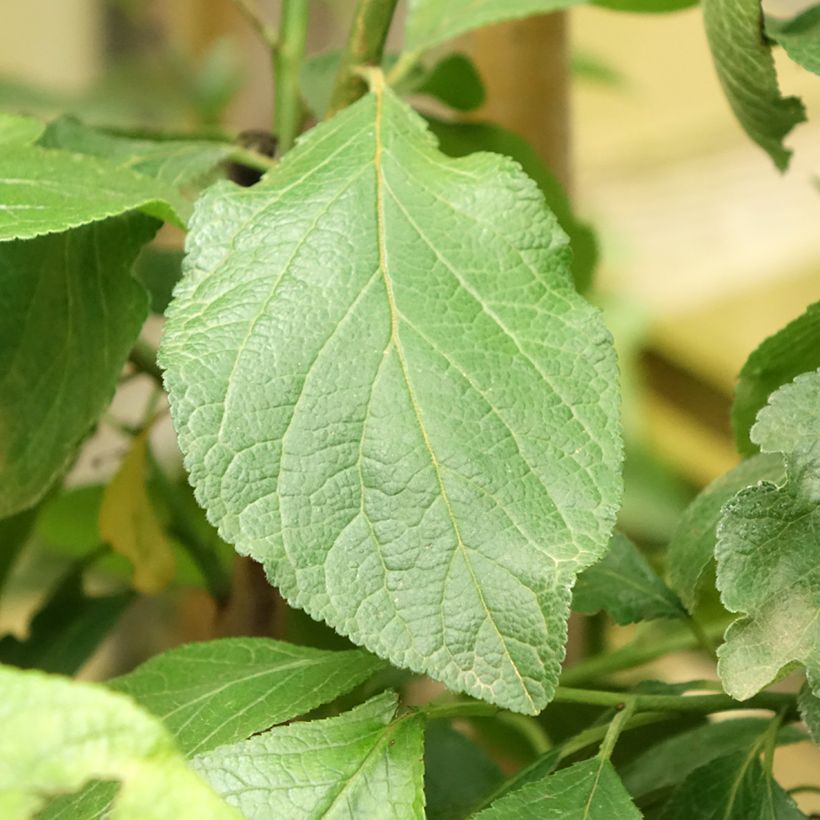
(389,391)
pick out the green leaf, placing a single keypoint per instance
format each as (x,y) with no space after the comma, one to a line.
(810,712)
(68,629)
(791,351)
(359,764)
(692,548)
(69,314)
(671,761)
(222,691)
(432,451)
(646,6)
(129,523)
(623,584)
(455,81)
(799,36)
(57,734)
(746,70)
(589,790)
(159,269)
(430,22)
(460,139)
(16,129)
(735,787)
(46,192)
(14,533)
(767,567)
(458,776)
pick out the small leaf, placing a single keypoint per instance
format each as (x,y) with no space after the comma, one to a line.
(58,734)
(46,192)
(793,350)
(417,432)
(692,548)
(590,790)
(623,584)
(455,81)
(810,712)
(671,761)
(222,691)
(16,129)
(458,775)
(430,22)
(767,551)
(359,764)
(799,36)
(734,787)
(746,70)
(69,314)
(129,523)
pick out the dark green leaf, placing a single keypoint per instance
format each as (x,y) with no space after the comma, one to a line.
(14,532)
(800,37)
(427,407)
(455,81)
(692,548)
(159,269)
(222,691)
(746,70)
(457,774)
(623,584)
(360,764)
(69,314)
(460,139)
(793,350)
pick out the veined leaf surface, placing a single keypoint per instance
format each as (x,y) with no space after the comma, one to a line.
(388,392)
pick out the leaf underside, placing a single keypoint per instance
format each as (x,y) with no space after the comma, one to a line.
(387,391)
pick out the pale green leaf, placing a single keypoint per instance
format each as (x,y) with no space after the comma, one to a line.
(623,584)
(735,787)
(810,712)
(69,314)
(746,70)
(691,550)
(360,764)
(221,691)
(44,192)
(590,790)
(430,22)
(671,761)
(129,523)
(58,734)
(387,391)
(18,129)
(777,360)
(767,568)
(800,37)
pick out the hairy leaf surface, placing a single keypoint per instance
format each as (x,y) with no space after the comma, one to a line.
(58,733)
(388,392)
(623,584)
(225,690)
(746,70)
(590,790)
(359,764)
(692,548)
(767,551)
(69,314)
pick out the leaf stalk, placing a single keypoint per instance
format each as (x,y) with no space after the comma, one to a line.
(287,59)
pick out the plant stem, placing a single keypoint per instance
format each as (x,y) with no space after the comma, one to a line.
(252,159)
(616,726)
(705,640)
(407,61)
(769,740)
(804,787)
(458,709)
(144,358)
(251,14)
(365,47)
(287,59)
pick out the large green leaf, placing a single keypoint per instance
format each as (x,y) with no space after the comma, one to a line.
(69,314)
(692,547)
(430,22)
(767,566)
(460,139)
(777,360)
(590,790)
(746,70)
(387,391)
(800,37)
(45,192)
(357,765)
(57,734)
(623,584)
(734,787)
(222,691)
